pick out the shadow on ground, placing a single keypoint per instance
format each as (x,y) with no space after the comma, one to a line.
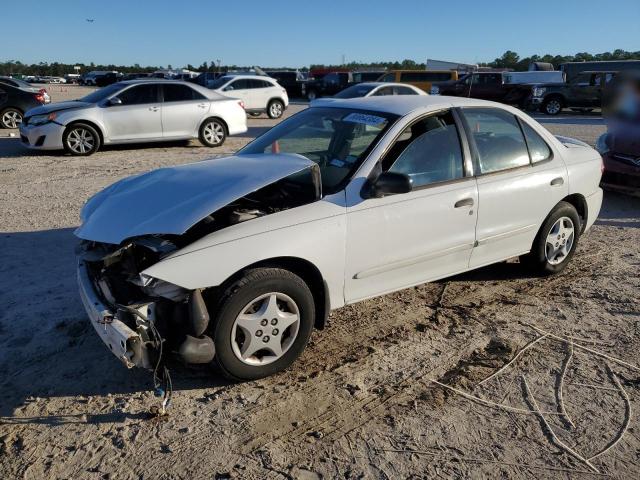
(47,346)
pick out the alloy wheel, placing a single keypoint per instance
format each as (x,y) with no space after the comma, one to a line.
(11,119)
(80,140)
(213,133)
(560,241)
(553,107)
(275,109)
(265,329)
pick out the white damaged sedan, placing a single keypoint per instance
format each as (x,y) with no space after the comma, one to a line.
(236,260)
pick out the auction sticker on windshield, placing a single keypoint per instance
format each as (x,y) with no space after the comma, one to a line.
(372,120)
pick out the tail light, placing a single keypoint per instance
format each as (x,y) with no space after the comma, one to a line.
(241,103)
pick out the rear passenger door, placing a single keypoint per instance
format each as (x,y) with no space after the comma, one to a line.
(182,110)
(519,182)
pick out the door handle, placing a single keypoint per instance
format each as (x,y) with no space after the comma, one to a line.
(556,182)
(465,202)
(202,105)
(153,109)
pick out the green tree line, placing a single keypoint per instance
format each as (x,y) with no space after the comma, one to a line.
(508,59)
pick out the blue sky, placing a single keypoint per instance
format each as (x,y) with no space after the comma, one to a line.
(298,32)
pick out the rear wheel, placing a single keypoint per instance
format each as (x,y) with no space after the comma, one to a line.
(263,323)
(552,106)
(556,241)
(212,133)
(275,109)
(81,139)
(312,95)
(10,118)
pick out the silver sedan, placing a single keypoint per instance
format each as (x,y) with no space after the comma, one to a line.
(134,112)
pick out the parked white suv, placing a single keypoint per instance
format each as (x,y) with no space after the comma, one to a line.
(238,259)
(259,94)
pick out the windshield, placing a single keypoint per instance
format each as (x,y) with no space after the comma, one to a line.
(337,139)
(219,82)
(101,94)
(355,91)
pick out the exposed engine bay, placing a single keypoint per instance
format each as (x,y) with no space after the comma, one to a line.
(154,315)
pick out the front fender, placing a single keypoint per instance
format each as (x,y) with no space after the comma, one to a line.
(314,232)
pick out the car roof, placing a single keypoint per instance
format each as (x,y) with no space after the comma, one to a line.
(405,104)
(248,77)
(381,84)
(211,94)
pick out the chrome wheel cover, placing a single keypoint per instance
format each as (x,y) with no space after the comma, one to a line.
(80,140)
(265,329)
(11,119)
(559,241)
(213,133)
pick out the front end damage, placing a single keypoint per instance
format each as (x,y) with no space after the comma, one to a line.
(135,224)
(138,317)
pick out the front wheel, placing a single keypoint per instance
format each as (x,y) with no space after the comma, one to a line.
(556,241)
(552,106)
(275,109)
(81,139)
(212,133)
(263,323)
(10,118)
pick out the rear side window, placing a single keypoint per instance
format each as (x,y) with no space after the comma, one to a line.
(539,151)
(139,94)
(428,151)
(180,93)
(498,138)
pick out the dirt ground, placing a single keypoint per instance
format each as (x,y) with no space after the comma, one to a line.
(372,395)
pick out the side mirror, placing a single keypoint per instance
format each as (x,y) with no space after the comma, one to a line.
(390,183)
(115,101)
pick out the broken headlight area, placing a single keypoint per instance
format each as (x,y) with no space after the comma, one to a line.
(139,317)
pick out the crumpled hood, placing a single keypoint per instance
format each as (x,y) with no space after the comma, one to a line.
(173,199)
(56,107)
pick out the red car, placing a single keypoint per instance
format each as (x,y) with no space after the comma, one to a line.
(620,150)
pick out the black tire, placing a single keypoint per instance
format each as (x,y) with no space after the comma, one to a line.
(552,105)
(312,95)
(212,133)
(538,258)
(71,139)
(10,118)
(236,297)
(275,109)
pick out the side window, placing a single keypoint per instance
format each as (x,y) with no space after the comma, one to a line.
(238,85)
(428,151)
(180,93)
(139,95)
(539,151)
(414,77)
(498,139)
(405,91)
(383,92)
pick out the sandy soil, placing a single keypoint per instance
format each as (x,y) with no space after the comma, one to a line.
(362,401)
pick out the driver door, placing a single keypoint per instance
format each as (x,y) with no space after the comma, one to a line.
(138,117)
(407,239)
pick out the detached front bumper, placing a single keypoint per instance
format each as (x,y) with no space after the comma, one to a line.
(621,173)
(42,137)
(126,344)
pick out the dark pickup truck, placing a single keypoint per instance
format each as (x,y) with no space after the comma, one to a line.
(486,86)
(584,92)
(335,82)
